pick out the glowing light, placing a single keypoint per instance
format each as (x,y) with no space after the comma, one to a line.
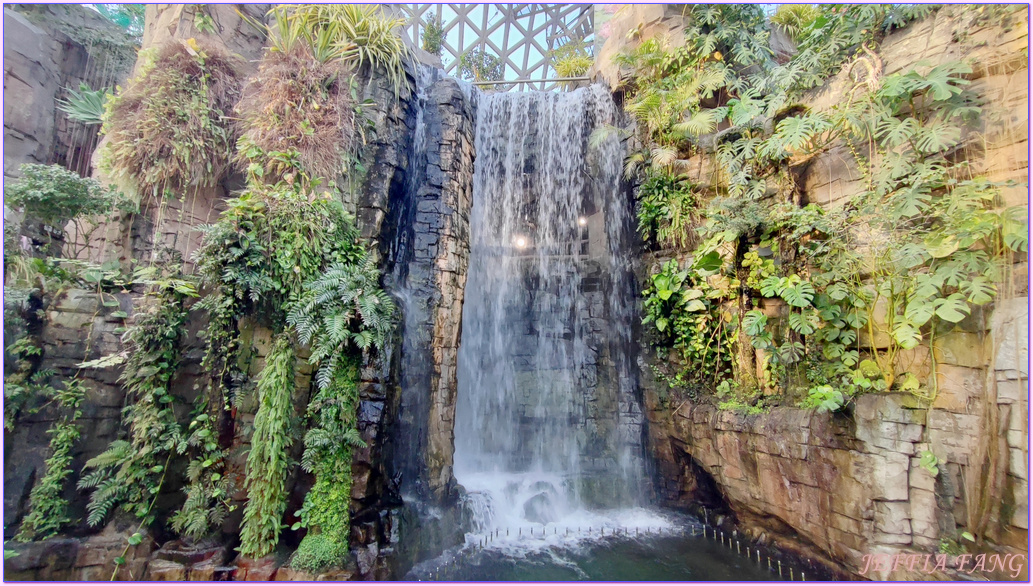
(582,221)
(520,241)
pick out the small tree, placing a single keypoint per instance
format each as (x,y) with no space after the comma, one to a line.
(477,65)
(55,196)
(433,35)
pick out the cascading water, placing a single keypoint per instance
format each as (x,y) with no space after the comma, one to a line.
(548,428)
(413,369)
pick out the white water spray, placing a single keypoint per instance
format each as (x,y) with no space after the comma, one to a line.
(548,427)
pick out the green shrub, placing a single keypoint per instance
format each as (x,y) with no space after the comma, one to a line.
(54,195)
(476,65)
(433,35)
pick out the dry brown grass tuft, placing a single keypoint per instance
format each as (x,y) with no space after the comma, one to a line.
(300,116)
(170,128)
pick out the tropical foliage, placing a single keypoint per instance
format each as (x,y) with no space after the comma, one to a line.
(85,105)
(359,35)
(285,255)
(809,289)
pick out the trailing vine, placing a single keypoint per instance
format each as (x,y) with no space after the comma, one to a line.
(48,510)
(130,473)
(268,461)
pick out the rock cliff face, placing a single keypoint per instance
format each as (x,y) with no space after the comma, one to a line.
(851,484)
(432,213)
(46,50)
(841,486)
(427,250)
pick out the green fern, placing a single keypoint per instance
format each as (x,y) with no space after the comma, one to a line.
(328,455)
(130,472)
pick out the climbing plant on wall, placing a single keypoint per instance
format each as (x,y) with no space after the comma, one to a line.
(132,471)
(267,463)
(48,510)
(287,254)
(926,237)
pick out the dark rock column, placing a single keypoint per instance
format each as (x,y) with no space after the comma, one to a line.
(426,264)
(446,199)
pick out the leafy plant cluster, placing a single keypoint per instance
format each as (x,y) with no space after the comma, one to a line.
(48,510)
(302,116)
(687,314)
(56,196)
(85,105)
(907,258)
(284,253)
(293,261)
(572,59)
(170,128)
(357,35)
(433,35)
(131,472)
(668,209)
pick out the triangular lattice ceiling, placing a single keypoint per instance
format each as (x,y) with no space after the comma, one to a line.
(520,35)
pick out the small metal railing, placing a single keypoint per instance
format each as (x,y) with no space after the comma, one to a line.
(556,81)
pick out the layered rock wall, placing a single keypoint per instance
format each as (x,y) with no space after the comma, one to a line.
(75,326)
(48,49)
(851,484)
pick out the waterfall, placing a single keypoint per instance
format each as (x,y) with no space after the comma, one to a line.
(548,426)
(407,281)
